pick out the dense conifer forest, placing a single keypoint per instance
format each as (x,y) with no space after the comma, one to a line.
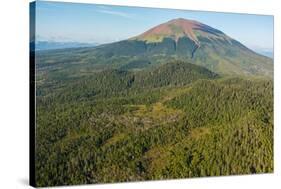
(180,100)
(174,120)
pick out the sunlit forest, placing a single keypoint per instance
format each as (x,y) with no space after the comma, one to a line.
(173,120)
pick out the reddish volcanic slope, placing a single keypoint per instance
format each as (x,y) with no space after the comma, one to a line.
(186,27)
(177,28)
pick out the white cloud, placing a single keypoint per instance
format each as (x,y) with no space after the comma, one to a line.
(107,10)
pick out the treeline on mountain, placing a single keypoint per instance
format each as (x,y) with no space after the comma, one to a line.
(221,55)
(175,121)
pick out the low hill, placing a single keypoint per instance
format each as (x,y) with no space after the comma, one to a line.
(113,82)
(175,73)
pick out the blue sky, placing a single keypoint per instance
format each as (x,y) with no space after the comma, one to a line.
(104,24)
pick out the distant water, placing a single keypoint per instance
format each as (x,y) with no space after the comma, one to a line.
(265,53)
(49,45)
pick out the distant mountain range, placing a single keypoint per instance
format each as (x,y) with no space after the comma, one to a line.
(49,45)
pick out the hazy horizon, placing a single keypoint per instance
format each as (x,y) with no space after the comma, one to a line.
(93,23)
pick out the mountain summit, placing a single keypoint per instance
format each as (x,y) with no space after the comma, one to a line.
(179,28)
(183,40)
